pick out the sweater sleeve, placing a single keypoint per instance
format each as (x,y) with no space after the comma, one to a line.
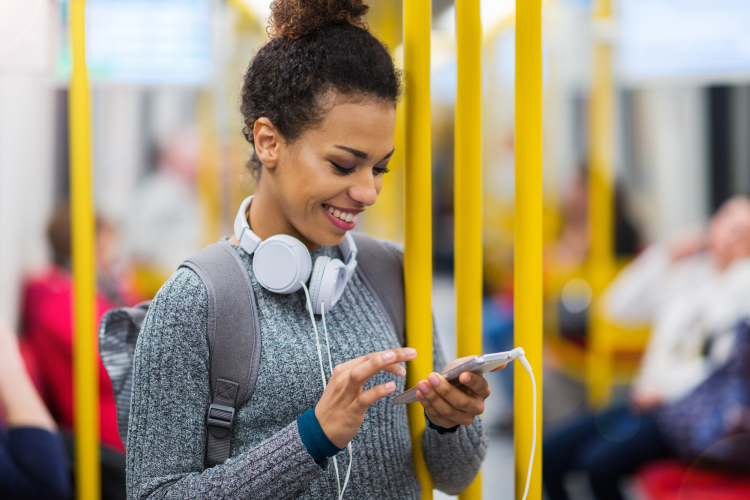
(171,393)
(453,458)
(33,465)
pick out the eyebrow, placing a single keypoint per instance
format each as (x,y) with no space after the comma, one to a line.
(361,154)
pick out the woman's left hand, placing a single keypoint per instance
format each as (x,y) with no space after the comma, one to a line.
(447,405)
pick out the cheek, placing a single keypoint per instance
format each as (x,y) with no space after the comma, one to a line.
(379,183)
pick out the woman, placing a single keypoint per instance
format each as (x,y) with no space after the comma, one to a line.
(319,105)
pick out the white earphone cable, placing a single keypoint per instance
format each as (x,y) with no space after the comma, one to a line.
(323,375)
(330,364)
(526,365)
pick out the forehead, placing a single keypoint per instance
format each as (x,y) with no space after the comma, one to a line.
(368,125)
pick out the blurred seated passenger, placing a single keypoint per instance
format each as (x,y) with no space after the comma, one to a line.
(47,319)
(32,462)
(161,230)
(689,292)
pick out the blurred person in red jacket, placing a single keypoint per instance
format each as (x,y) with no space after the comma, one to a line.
(47,320)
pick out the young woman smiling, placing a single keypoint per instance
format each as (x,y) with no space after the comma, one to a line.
(319,104)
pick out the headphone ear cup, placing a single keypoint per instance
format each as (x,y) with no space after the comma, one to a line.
(316,280)
(330,283)
(280,263)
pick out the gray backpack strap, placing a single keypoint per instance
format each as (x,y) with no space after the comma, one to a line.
(233,340)
(382,269)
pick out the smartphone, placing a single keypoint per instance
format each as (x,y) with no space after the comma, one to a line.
(479,365)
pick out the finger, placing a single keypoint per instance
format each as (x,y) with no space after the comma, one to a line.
(368,397)
(397,370)
(457,362)
(433,415)
(454,396)
(375,362)
(499,368)
(476,383)
(443,408)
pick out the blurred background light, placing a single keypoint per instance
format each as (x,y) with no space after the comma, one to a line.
(678,38)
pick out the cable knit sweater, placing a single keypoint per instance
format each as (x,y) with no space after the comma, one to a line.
(167,434)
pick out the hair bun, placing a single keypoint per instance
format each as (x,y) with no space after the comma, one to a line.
(296,18)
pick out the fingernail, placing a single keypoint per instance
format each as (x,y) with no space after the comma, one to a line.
(388,356)
(420,396)
(424,387)
(390,386)
(411,352)
(465,378)
(434,380)
(403,371)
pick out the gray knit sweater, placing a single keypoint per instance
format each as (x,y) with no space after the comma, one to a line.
(167,435)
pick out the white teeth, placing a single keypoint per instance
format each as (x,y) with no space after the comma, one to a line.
(344,216)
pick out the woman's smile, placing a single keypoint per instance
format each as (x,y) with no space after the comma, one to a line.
(342,218)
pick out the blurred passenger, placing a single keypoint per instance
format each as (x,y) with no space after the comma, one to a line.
(572,246)
(32,462)
(571,251)
(690,291)
(163,228)
(47,318)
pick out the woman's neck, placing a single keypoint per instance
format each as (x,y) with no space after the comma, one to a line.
(266,218)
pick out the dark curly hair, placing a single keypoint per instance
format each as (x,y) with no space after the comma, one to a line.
(316,46)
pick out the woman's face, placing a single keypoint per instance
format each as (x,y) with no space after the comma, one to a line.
(323,181)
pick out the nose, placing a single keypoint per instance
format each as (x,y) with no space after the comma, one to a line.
(364,190)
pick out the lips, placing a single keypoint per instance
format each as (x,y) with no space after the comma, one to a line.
(342,219)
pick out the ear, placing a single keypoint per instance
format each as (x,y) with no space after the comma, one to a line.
(268,142)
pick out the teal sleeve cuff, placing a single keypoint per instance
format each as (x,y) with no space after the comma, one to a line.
(315,440)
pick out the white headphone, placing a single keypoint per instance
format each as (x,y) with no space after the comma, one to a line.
(282,263)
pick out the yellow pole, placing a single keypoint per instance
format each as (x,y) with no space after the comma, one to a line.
(383,220)
(601,154)
(468,190)
(418,215)
(85,368)
(528,238)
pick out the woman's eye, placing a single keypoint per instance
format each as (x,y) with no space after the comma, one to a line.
(341,170)
(380,170)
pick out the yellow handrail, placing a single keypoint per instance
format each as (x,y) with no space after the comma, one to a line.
(85,368)
(601,202)
(418,215)
(528,237)
(468,190)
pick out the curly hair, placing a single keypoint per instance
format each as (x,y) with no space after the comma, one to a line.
(316,46)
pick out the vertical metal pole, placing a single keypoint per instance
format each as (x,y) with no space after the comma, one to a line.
(383,220)
(418,211)
(468,190)
(85,368)
(528,237)
(601,202)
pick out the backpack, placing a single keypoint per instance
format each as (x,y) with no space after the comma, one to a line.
(704,424)
(233,332)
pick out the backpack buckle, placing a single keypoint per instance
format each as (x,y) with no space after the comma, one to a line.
(219,420)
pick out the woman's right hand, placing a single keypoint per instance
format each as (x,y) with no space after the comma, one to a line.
(341,409)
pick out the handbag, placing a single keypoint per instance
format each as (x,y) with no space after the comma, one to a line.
(711,423)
